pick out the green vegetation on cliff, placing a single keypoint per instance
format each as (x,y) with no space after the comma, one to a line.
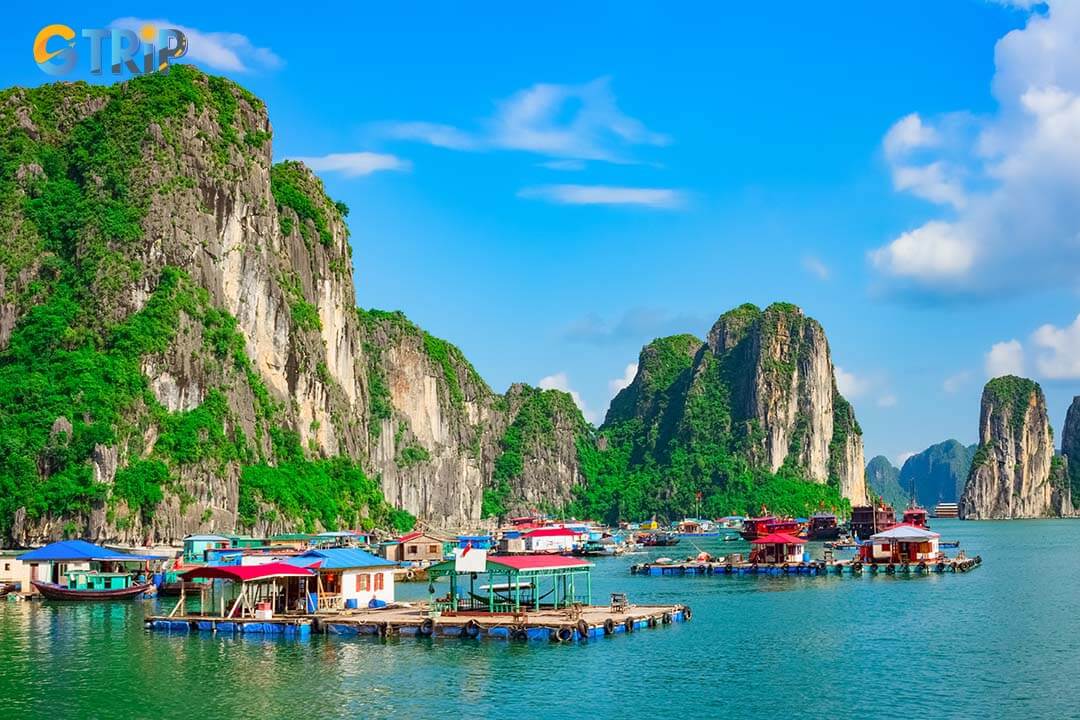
(74,189)
(532,429)
(680,441)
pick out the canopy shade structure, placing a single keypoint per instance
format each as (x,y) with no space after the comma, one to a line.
(778,539)
(251,573)
(339,559)
(514,583)
(905,533)
(81,551)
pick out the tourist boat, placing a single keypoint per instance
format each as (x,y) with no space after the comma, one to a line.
(8,588)
(869,519)
(658,539)
(946,510)
(916,517)
(93,585)
(823,526)
(759,527)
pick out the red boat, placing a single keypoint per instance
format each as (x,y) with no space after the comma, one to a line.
(916,517)
(759,527)
(53,591)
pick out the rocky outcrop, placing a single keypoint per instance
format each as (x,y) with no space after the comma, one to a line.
(1015,473)
(1070,448)
(938,473)
(759,393)
(883,480)
(246,365)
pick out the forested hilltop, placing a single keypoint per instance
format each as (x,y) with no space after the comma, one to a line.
(750,416)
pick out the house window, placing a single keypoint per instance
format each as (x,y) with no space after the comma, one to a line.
(412,549)
(363,583)
(7,567)
(379,580)
(432,549)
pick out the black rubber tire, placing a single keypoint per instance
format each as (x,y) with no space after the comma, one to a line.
(427,627)
(609,626)
(519,633)
(564,634)
(471,630)
(629,625)
(687,613)
(583,629)
(666,618)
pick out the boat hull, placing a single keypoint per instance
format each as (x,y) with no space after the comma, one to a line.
(57,592)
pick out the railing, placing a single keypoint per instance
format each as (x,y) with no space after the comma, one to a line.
(330,602)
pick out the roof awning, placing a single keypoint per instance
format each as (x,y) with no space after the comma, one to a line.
(905,533)
(249,573)
(778,539)
(81,551)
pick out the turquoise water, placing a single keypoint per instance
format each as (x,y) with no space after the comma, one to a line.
(1001,641)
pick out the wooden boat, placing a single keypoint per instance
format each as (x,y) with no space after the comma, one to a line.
(823,526)
(915,516)
(754,528)
(8,588)
(52,591)
(659,540)
(869,519)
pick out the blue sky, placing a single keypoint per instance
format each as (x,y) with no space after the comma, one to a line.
(552,188)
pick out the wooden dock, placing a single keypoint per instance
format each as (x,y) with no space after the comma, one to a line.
(821,567)
(589,622)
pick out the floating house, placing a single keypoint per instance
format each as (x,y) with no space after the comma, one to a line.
(245,594)
(777,549)
(341,538)
(347,578)
(901,544)
(296,541)
(417,548)
(80,570)
(550,540)
(14,573)
(195,546)
(512,584)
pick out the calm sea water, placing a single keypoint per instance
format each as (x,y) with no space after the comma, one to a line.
(1002,641)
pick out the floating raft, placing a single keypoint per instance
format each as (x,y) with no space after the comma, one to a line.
(835,567)
(286,626)
(546,625)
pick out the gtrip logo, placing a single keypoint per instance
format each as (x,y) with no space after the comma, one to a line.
(150,51)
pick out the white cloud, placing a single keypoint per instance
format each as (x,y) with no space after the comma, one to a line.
(560,381)
(355,164)
(954,382)
(1009,180)
(575,122)
(566,165)
(849,384)
(660,198)
(228,51)
(1005,358)
(937,250)
(444,136)
(816,267)
(908,134)
(887,400)
(617,384)
(1060,356)
(903,457)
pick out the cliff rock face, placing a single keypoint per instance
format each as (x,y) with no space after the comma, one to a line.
(883,478)
(1070,448)
(180,348)
(1015,473)
(938,473)
(721,425)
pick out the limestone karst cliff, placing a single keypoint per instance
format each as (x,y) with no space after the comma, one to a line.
(1070,448)
(1015,473)
(883,480)
(751,415)
(180,348)
(938,473)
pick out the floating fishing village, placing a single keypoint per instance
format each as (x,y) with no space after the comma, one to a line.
(529,580)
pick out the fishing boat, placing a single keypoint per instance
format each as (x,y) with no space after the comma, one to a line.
(93,585)
(916,517)
(759,527)
(658,539)
(823,526)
